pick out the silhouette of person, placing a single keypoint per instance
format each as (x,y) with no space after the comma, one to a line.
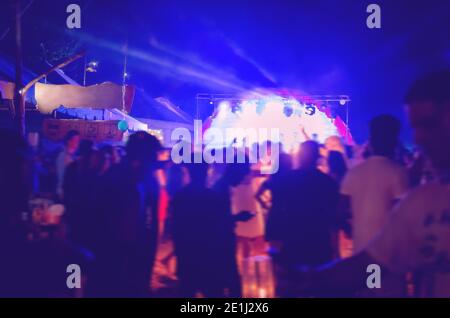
(307,218)
(127,222)
(336,165)
(377,179)
(276,184)
(234,174)
(416,237)
(81,181)
(201,240)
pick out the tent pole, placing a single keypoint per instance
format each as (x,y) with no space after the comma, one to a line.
(19,99)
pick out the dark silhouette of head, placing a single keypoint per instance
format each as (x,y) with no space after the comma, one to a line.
(111,154)
(198,172)
(235,172)
(72,140)
(428,107)
(384,134)
(97,161)
(337,165)
(86,148)
(309,154)
(142,148)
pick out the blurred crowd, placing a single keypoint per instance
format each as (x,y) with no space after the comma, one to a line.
(328,212)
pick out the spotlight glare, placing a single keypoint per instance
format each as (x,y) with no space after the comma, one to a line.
(223,109)
(237,109)
(290,116)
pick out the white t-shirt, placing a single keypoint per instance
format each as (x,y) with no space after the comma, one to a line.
(243,199)
(373,186)
(417,237)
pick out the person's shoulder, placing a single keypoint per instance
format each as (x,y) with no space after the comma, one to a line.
(421,199)
(295,177)
(358,168)
(377,164)
(328,180)
(398,168)
(386,163)
(319,174)
(426,191)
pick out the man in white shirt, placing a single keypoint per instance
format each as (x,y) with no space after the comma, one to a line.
(372,187)
(417,238)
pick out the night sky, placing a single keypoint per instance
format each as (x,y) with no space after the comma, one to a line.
(177,49)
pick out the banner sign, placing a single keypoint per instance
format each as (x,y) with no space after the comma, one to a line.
(95,130)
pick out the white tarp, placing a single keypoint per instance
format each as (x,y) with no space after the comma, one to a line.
(104,96)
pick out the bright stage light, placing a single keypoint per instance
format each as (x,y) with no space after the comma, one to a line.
(260,106)
(342,102)
(223,109)
(291,117)
(236,108)
(224,106)
(295,119)
(91,67)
